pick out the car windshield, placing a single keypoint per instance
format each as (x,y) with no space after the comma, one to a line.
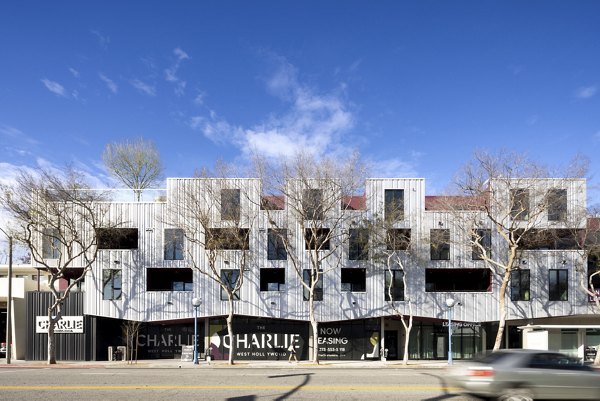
(493,358)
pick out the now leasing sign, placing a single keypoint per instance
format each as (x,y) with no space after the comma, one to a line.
(66,324)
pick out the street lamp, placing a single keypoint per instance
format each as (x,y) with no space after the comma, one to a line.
(196,303)
(450,302)
(9,300)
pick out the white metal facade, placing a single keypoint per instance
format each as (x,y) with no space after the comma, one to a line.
(150,218)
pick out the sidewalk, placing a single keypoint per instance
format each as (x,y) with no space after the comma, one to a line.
(178,364)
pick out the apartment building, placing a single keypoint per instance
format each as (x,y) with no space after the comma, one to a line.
(149,269)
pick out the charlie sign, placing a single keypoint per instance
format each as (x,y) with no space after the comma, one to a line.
(66,324)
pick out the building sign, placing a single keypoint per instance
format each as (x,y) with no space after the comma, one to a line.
(66,324)
(258,339)
(354,340)
(159,341)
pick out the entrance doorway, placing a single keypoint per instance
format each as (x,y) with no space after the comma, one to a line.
(391,344)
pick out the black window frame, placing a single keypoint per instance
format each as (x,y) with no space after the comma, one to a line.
(398,239)
(271,277)
(122,238)
(173,244)
(520,285)
(51,245)
(276,244)
(484,237)
(319,241)
(439,244)
(558,284)
(226,239)
(519,203)
(350,277)
(169,279)
(230,204)
(110,290)
(557,204)
(227,277)
(458,280)
(393,204)
(318,290)
(312,204)
(358,244)
(395,278)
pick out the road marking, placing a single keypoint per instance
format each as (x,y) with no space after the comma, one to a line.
(229,387)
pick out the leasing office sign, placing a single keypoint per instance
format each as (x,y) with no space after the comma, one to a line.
(66,324)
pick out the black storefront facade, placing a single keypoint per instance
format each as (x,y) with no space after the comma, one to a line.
(83,337)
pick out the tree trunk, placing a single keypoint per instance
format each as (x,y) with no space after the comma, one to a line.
(51,339)
(230,330)
(407,329)
(502,306)
(315,327)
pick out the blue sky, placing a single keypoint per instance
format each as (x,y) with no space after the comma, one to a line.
(415,86)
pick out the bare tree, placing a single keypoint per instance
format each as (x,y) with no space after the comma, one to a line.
(307,202)
(216,217)
(56,216)
(131,331)
(136,163)
(502,199)
(397,251)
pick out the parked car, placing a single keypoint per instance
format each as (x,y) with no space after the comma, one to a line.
(3,348)
(524,375)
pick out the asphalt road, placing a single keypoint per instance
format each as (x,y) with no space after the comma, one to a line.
(251,384)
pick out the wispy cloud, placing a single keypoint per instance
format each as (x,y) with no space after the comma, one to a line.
(171,72)
(199,99)
(112,86)
(15,133)
(74,72)
(533,119)
(103,40)
(143,87)
(55,87)
(395,167)
(586,92)
(314,122)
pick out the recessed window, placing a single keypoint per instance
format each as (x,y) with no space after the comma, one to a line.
(550,239)
(312,204)
(440,244)
(482,238)
(161,279)
(276,245)
(272,279)
(230,204)
(353,279)
(463,280)
(230,277)
(318,290)
(394,285)
(228,239)
(173,246)
(111,284)
(557,204)
(519,204)
(397,239)
(50,244)
(558,284)
(520,285)
(117,238)
(316,239)
(394,204)
(358,244)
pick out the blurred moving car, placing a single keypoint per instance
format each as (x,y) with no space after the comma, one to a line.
(3,348)
(524,375)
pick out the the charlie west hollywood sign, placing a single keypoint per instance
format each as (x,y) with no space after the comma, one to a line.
(66,324)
